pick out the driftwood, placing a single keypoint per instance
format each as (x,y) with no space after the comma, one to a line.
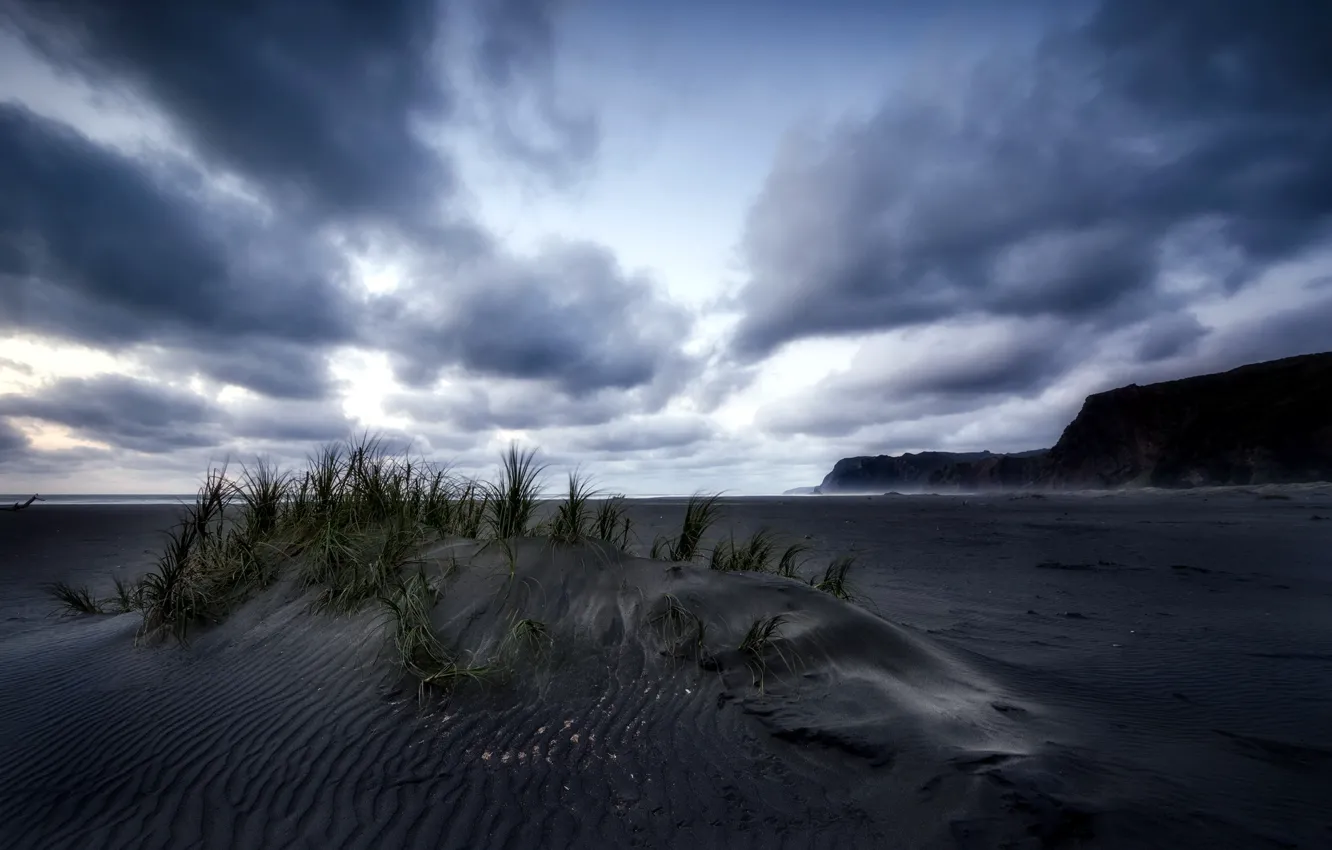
(18,506)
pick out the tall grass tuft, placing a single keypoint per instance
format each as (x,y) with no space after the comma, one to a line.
(574,521)
(701,513)
(471,507)
(682,630)
(513,498)
(75,599)
(753,556)
(789,565)
(173,596)
(264,491)
(834,581)
(612,523)
(525,635)
(759,640)
(185,588)
(126,598)
(207,516)
(420,651)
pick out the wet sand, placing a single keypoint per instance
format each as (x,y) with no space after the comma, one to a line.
(1126,670)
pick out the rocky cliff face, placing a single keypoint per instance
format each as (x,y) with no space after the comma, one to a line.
(884,472)
(1258,424)
(1266,423)
(996,472)
(801,491)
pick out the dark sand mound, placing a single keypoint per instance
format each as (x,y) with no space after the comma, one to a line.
(980,726)
(283,728)
(833,672)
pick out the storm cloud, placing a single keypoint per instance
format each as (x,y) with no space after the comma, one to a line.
(569,316)
(1055,185)
(121,411)
(13,442)
(644,434)
(100,247)
(260,227)
(125,412)
(325,112)
(515,57)
(316,102)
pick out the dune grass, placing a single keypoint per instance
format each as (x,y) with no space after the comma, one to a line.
(789,564)
(126,597)
(352,526)
(613,524)
(701,513)
(525,635)
(346,526)
(173,596)
(681,629)
(467,512)
(760,640)
(184,589)
(758,554)
(574,521)
(75,599)
(513,498)
(833,580)
(420,652)
(761,635)
(755,555)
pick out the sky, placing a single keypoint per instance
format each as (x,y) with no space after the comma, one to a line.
(679,246)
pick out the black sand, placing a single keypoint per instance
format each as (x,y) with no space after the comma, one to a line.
(1145,670)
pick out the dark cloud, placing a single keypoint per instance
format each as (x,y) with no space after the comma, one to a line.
(1054,188)
(109,251)
(304,423)
(13,442)
(122,412)
(319,108)
(1019,360)
(1283,333)
(103,249)
(515,57)
(1219,59)
(316,102)
(516,37)
(1160,157)
(277,369)
(69,464)
(124,251)
(324,105)
(514,405)
(1169,336)
(569,317)
(644,434)
(154,418)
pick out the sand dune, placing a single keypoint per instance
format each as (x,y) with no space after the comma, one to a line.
(1145,671)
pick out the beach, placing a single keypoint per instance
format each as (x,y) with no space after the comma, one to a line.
(1128,669)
